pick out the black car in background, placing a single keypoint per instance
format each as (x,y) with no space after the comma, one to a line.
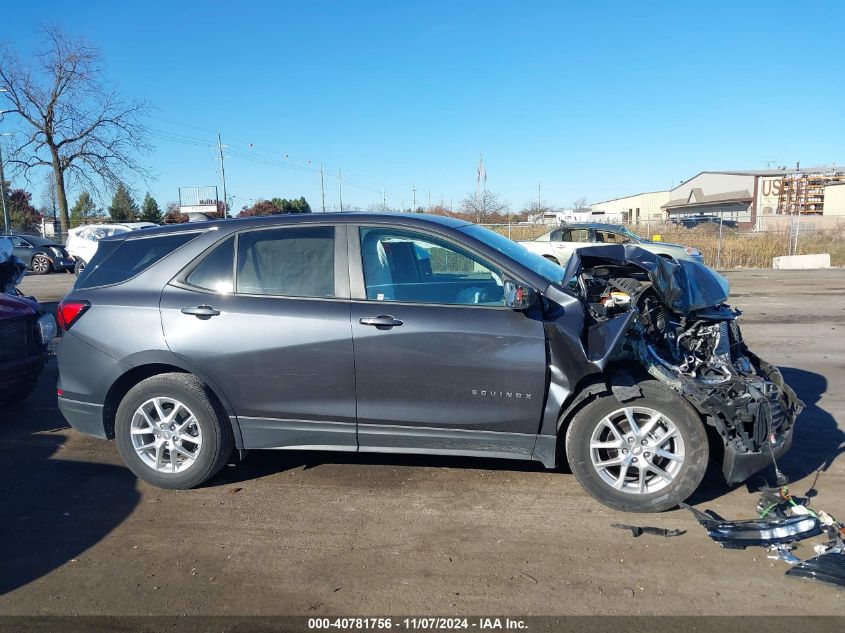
(694,221)
(40,254)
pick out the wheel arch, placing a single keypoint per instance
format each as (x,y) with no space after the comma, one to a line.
(617,382)
(154,367)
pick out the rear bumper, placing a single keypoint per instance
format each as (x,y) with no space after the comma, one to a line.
(85,417)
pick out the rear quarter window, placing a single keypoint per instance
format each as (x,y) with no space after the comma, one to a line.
(116,262)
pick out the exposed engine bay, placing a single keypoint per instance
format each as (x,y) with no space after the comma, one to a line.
(678,327)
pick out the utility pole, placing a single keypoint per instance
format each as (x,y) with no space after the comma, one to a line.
(414,208)
(429,200)
(222,173)
(539,203)
(383,200)
(7,221)
(322,187)
(340,189)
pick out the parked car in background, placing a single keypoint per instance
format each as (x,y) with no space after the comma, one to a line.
(40,254)
(694,221)
(558,244)
(25,331)
(403,333)
(82,241)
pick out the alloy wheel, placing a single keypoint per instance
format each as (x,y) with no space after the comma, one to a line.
(637,450)
(40,264)
(166,435)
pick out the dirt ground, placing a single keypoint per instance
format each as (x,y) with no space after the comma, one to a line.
(318,533)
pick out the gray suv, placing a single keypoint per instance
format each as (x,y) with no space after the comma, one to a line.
(414,334)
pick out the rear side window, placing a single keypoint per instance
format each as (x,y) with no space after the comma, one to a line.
(288,262)
(115,264)
(216,271)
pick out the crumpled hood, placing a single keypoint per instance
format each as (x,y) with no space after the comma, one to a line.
(682,285)
(11,307)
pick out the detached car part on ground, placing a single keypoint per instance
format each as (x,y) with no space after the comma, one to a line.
(784,521)
(465,343)
(25,331)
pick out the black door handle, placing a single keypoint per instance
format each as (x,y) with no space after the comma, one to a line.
(201,312)
(381,321)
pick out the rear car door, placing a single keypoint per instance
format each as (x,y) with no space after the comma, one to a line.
(265,313)
(565,241)
(441,365)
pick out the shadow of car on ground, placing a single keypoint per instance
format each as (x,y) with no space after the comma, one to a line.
(53,509)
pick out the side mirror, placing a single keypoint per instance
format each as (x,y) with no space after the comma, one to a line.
(519,297)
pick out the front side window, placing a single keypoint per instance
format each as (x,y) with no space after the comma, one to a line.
(287,262)
(417,268)
(576,235)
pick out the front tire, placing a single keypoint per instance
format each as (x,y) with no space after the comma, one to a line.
(647,454)
(41,264)
(171,433)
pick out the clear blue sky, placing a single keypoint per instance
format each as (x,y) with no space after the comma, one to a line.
(593,99)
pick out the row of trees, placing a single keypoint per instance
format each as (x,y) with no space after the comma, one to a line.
(275,206)
(123,208)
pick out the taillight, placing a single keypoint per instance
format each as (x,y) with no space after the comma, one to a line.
(69,312)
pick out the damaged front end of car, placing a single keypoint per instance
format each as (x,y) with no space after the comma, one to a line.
(670,318)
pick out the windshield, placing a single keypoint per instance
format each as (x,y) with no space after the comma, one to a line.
(550,271)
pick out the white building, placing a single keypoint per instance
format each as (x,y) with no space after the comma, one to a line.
(640,207)
(745,195)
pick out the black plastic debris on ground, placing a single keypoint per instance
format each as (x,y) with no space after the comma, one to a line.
(637,530)
(827,568)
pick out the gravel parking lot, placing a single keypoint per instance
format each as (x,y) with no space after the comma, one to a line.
(316,533)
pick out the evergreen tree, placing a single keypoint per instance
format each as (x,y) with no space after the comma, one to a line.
(150,211)
(123,208)
(81,210)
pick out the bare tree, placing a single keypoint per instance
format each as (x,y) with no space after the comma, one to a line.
(483,205)
(73,120)
(580,205)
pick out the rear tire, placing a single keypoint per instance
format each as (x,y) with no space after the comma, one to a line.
(154,447)
(650,466)
(78,267)
(40,264)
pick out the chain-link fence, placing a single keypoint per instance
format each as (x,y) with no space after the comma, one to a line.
(737,244)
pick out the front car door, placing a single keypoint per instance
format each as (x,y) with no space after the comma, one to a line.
(265,313)
(441,365)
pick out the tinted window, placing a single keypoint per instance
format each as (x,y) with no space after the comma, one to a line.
(216,271)
(417,268)
(289,262)
(115,264)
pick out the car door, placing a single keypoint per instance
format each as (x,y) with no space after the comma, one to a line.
(566,240)
(441,365)
(265,313)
